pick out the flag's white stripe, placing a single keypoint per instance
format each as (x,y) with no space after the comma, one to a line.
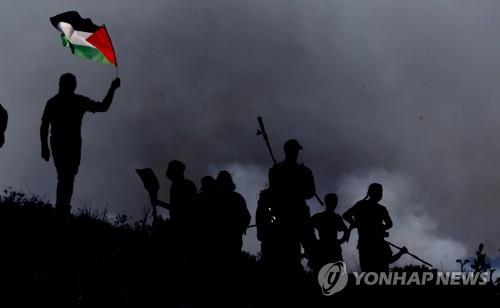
(75,37)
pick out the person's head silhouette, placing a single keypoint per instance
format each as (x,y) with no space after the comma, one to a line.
(175,170)
(67,84)
(292,148)
(225,181)
(208,184)
(331,201)
(375,192)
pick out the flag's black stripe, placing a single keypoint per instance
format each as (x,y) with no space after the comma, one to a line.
(74,19)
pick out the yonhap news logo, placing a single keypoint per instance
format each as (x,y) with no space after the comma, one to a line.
(333,278)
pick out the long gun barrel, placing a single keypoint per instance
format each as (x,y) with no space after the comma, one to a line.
(262,131)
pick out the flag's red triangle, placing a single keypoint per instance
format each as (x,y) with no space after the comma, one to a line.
(100,39)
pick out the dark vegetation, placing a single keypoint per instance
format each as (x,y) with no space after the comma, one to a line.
(88,258)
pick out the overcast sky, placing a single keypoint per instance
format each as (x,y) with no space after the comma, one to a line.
(405,93)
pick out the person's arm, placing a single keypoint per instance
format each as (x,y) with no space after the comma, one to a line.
(349,217)
(399,254)
(309,187)
(246,216)
(44,134)
(345,231)
(108,99)
(4,118)
(314,221)
(387,220)
(260,216)
(160,203)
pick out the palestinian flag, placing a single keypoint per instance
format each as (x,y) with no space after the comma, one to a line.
(84,38)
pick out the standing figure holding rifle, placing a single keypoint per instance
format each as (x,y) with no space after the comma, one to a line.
(373,222)
(63,114)
(290,185)
(283,218)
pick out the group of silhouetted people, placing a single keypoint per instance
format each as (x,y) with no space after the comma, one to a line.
(210,221)
(206,228)
(216,213)
(215,217)
(285,227)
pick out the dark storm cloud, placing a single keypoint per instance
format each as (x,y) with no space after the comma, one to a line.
(373,89)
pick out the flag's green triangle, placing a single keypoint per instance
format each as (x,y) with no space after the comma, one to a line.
(64,39)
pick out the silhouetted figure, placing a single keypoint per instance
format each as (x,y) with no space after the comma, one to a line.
(290,185)
(480,264)
(208,185)
(180,229)
(328,224)
(182,194)
(229,218)
(63,114)
(181,207)
(4,118)
(207,196)
(373,222)
(233,219)
(204,217)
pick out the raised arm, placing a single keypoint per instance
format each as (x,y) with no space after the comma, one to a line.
(108,99)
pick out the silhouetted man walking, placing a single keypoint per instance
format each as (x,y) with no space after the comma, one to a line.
(373,222)
(64,114)
(328,224)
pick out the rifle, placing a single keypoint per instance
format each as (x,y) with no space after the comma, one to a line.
(386,234)
(262,131)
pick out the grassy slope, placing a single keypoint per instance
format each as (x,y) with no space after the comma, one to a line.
(88,259)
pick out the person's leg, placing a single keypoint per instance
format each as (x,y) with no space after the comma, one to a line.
(64,192)
(367,258)
(67,168)
(372,259)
